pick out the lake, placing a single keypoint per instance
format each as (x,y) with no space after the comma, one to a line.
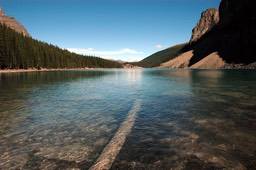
(140,118)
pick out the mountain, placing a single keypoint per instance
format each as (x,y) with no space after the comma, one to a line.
(208,20)
(228,43)
(22,52)
(159,57)
(12,23)
(236,33)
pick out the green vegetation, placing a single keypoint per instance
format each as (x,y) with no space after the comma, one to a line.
(160,57)
(21,52)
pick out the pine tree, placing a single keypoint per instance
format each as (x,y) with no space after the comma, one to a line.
(19,51)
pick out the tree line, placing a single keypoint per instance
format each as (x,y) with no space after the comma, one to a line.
(160,57)
(21,52)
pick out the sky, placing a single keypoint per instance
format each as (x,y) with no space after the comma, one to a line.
(126,30)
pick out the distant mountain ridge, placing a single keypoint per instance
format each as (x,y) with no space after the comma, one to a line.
(12,23)
(209,19)
(159,57)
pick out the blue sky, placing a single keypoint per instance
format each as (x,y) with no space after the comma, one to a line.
(117,29)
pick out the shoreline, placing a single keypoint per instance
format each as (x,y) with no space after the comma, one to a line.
(44,69)
(80,69)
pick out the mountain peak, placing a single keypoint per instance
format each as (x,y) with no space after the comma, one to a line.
(12,23)
(209,18)
(1,11)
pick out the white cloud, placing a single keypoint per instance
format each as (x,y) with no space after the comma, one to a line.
(91,51)
(134,60)
(159,46)
(126,60)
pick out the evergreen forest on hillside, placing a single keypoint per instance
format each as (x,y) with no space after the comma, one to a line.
(21,52)
(160,57)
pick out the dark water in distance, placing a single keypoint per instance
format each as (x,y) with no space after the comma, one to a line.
(189,119)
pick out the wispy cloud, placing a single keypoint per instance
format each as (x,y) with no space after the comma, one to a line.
(159,46)
(91,51)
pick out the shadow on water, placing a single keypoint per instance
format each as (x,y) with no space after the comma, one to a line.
(189,119)
(226,120)
(49,77)
(208,124)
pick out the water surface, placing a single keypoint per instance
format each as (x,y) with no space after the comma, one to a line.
(201,119)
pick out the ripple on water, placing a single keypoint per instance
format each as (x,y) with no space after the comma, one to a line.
(189,119)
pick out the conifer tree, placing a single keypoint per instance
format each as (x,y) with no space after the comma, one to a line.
(20,52)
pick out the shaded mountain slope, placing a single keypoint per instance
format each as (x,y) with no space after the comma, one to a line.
(228,43)
(234,37)
(159,57)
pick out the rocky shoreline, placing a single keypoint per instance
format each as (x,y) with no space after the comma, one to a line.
(240,66)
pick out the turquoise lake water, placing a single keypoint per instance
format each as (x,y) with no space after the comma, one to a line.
(188,119)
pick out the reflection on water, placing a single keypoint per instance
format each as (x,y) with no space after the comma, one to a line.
(189,119)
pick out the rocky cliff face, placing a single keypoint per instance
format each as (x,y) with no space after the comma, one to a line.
(233,37)
(229,43)
(237,30)
(208,20)
(12,23)
(234,11)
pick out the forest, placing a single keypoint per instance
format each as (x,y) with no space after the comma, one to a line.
(160,57)
(21,52)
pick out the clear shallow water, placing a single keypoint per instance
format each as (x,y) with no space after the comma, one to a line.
(187,119)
